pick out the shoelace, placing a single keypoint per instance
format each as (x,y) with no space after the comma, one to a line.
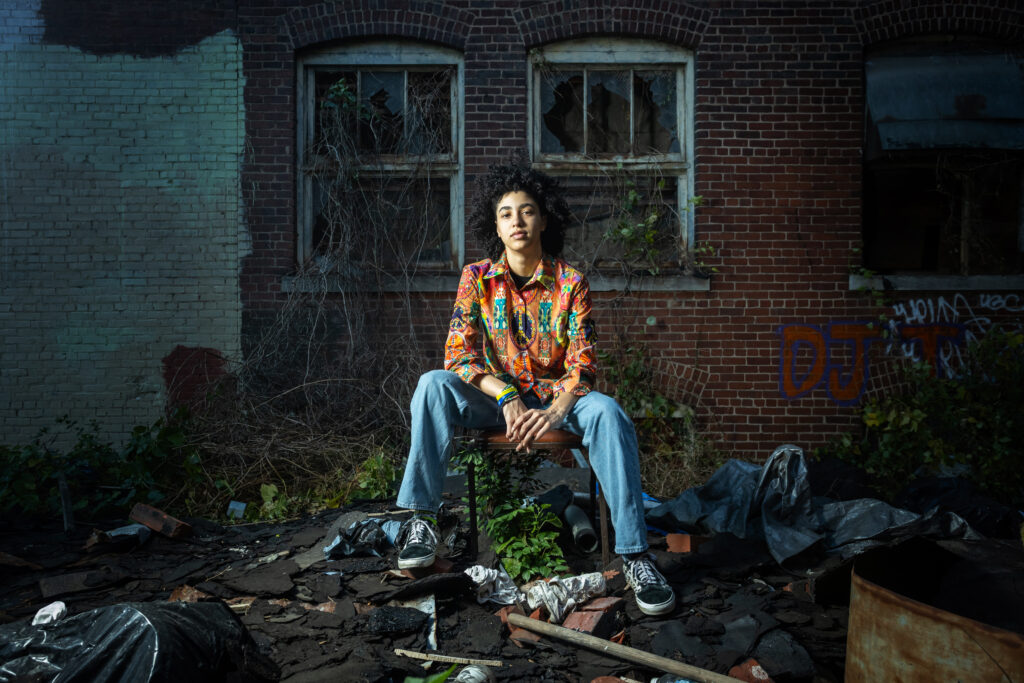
(643,572)
(419,531)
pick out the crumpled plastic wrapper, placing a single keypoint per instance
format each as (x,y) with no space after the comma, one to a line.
(561,596)
(494,585)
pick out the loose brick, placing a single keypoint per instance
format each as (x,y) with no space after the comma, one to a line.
(684,543)
(597,624)
(159,521)
(751,672)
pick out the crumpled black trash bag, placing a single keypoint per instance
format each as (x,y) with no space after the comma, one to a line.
(959,495)
(137,642)
(774,503)
(363,539)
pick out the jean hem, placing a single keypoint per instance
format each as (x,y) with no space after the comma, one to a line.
(631,549)
(417,508)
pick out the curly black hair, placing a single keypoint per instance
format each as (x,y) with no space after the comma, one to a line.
(518,177)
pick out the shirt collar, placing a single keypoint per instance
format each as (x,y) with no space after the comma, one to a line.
(544,274)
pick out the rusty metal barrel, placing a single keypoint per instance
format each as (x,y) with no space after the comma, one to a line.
(895,639)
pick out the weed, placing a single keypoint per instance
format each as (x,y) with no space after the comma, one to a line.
(525,540)
(375,478)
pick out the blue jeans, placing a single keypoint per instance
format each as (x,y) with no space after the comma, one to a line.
(443,402)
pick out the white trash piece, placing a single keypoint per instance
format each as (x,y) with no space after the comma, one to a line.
(494,585)
(53,612)
(561,596)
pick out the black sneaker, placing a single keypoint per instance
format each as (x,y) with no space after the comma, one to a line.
(653,594)
(417,543)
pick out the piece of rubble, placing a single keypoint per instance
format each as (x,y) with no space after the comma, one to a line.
(266,580)
(159,521)
(388,619)
(750,672)
(77,582)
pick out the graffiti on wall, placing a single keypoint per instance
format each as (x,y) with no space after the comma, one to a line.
(835,357)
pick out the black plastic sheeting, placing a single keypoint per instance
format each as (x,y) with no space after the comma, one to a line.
(774,503)
(156,642)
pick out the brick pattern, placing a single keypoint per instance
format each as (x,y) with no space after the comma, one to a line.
(121,227)
(779,121)
(547,22)
(19,23)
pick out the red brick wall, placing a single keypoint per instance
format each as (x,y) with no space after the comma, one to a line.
(779,121)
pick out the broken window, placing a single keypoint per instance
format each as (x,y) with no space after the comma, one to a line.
(944,158)
(612,117)
(380,176)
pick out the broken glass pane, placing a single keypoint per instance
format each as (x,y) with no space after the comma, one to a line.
(608,124)
(561,101)
(382,97)
(430,117)
(654,111)
(334,113)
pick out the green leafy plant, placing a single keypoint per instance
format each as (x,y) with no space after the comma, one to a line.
(375,478)
(971,422)
(526,539)
(439,677)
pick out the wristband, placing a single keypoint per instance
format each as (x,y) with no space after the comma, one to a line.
(509,393)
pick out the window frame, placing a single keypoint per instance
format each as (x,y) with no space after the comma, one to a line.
(620,53)
(383,55)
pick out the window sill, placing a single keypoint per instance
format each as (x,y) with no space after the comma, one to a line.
(434,282)
(930,283)
(449,282)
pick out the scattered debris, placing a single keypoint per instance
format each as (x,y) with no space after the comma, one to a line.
(317,617)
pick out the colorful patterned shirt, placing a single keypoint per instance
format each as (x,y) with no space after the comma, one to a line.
(540,338)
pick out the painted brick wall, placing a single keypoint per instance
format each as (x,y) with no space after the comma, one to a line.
(779,120)
(122,225)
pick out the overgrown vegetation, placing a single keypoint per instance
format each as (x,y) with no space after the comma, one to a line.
(972,423)
(100,478)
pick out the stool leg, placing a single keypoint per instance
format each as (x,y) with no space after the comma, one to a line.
(602,509)
(471,485)
(604,530)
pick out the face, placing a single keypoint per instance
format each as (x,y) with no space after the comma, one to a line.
(520,223)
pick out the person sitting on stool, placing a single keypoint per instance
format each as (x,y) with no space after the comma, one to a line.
(536,372)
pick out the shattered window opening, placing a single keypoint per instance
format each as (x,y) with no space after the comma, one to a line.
(612,117)
(379,174)
(944,158)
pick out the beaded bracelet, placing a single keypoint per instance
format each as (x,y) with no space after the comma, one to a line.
(507,394)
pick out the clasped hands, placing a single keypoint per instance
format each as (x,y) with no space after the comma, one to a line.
(525,425)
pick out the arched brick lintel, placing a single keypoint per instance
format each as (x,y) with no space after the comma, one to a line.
(416,20)
(883,21)
(558,20)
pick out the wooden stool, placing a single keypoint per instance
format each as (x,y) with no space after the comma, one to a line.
(495,440)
